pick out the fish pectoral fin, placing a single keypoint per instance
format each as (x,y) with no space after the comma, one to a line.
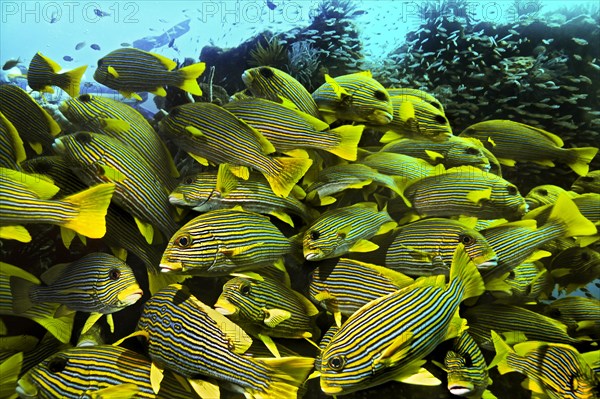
(274,317)
(507,162)
(112,71)
(115,125)
(139,333)
(363,246)
(199,159)
(269,344)
(113,174)
(159,91)
(514,337)
(339,91)
(205,389)
(311,310)
(18,233)
(226,179)
(488,395)
(63,310)
(396,350)
(156,376)
(240,171)
(194,131)
(284,217)
(434,155)
(145,229)
(421,377)
(480,196)
(534,387)
(91,320)
(37,147)
(111,322)
(122,391)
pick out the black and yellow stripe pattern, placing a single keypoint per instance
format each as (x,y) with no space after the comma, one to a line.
(348,285)
(416,118)
(224,241)
(58,170)
(200,192)
(391,163)
(272,83)
(12,152)
(44,73)
(100,158)
(466,367)
(426,247)
(89,370)
(338,231)
(466,191)
(116,119)
(97,282)
(412,320)
(267,307)
(184,336)
(34,124)
(211,133)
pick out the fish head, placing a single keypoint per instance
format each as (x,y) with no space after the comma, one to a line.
(543,195)
(196,191)
(81,149)
(114,285)
(463,152)
(319,243)
(506,196)
(478,249)
(26,387)
(193,250)
(239,300)
(50,378)
(343,371)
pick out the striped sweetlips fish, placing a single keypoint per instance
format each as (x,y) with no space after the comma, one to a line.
(224,241)
(210,133)
(426,247)
(190,338)
(348,229)
(466,369)
(12,152)
(44,73)
(553,371)
(100,158)
(103,371)
(98,283)
(355,97)
(388,338)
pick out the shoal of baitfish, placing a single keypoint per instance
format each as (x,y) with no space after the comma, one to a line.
(378,246)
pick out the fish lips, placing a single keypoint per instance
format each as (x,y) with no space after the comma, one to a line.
(26,388)
(313,254)
(460,389)
(225,307)
(487,264)
(380,117)
(169,267)
(58,146)
(131,295)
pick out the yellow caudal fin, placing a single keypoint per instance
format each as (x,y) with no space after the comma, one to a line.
(285,174)
(188,75)
(92,205)
(19,289)
(349,136)
(464,269)
(10,370)
(502,351)
(287,375)
(582,158)
(566,213)
(71,81)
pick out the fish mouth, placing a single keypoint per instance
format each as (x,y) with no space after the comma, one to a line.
(246,79)
(460,390)
(493,262)
(130,296)
(58,146)
(225,307)
(170,267)
(176,198)
(381,117)
(312,255)
(26,389)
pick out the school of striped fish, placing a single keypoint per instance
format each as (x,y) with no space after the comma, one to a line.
(350,224)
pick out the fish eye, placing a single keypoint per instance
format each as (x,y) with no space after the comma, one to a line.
(188,180)
(314,235)
(245,289)
(57,364)
(441,119)
(542,191)
(466,239)
(472,151)
(585,256)
(337,363)
(512,190)
(183,241)
(380,95)
(114,274)
(85,98)
(341,235)
(83,137)
(266,72)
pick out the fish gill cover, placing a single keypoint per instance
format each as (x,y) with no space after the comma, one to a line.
(426,113)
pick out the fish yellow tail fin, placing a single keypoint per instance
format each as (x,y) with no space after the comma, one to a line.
(70,81)
(188,75)
(286,173)
(581,158)
(287,375)
(566,212)
(92,205)
(349,137)
(465,271)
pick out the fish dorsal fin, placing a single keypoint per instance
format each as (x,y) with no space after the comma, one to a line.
(91,320)
(112,71)
(397,350)
(146,229)
(167,62)
(248,275)
(52,64)
(311,310)
(552,137)
(386,227)
(235,334)
(52,274)
(367,73)
(479,196)
(121,391)
(273,317)
(205,389)
(339,91)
